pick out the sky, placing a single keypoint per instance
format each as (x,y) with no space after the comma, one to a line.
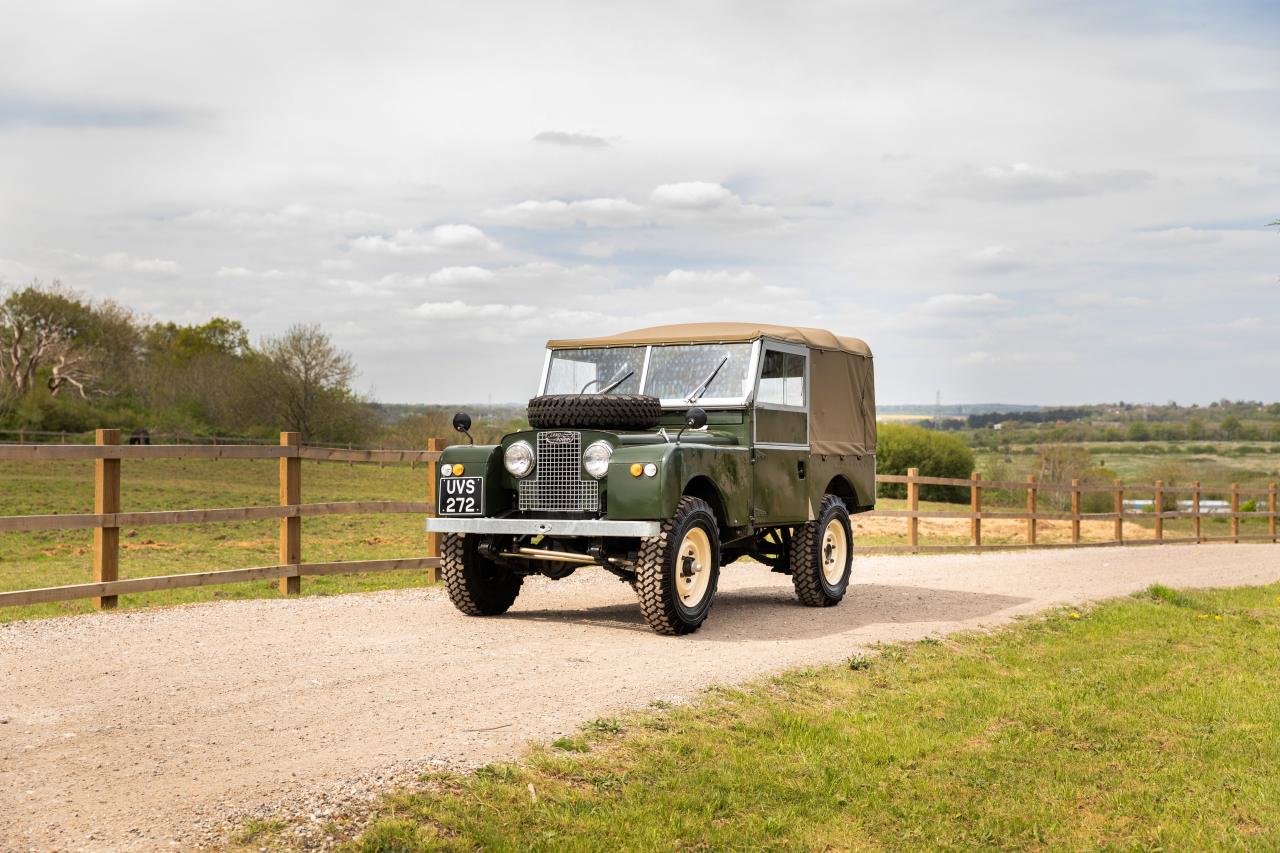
(1023,202)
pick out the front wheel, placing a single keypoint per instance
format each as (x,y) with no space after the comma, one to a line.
(476,585)
(679,569)
(822,555)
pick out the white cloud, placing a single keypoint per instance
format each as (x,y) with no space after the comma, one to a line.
(1094,299)
(243,272)
(573,140)
(709,278)
(692,195)
(994,260)
(611,212)
(458,310)
(457,276)
(122,262)
(594,249)
(442,238)
(964,304)
(1025,182)
(1177,237)
(295,215)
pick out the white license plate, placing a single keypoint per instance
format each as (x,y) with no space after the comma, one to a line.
(461,496)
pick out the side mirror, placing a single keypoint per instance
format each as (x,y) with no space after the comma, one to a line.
(462,423)
(695,418)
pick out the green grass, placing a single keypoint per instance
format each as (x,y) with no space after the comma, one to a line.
(1144,723)
(56,557)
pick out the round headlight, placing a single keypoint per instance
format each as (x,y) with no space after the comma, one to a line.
(596,459)
(518,459)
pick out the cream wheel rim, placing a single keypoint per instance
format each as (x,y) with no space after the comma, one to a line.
(835,551)
(693,567)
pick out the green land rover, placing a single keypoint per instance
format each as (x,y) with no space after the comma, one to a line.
(663,454)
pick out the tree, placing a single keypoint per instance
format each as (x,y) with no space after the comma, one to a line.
(45,328)
(309,381)
(1231,427)
(936,454)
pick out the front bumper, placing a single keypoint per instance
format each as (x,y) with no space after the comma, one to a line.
(544,526)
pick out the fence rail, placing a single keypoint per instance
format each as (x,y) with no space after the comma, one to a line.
(1033,515)
(107,517)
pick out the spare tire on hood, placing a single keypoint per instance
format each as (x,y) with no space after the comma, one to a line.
(594,411)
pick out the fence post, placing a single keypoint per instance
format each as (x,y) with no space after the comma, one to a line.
(1235,513)
(1119,508)
(290,527)
(975,507)
(1158,506)
(1195,511)
(913,504)
(1075,512)
(1031,509)
(1271,508)
(433,539)
(106,499)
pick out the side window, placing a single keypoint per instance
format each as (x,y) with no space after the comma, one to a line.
(782,379)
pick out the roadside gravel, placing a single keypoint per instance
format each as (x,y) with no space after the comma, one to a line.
(161,729)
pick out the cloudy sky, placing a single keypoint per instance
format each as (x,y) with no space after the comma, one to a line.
(1028,202)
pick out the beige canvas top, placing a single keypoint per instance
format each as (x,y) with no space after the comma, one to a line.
(681,333)
(842,406)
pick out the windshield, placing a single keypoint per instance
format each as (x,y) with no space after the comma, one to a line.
(678,372)
(675,372)
(590,371)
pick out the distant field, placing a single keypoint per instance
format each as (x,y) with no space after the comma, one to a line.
(1216,463)
(56,557)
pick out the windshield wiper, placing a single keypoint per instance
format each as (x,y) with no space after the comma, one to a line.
(613,384)
(617,382)
(706,383)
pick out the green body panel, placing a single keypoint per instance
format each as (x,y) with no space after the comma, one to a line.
(754,486)
(726,468)
(775,426)
(858,471)
(780,486)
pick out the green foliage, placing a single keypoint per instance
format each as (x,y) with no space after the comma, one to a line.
(936,454)
(69,364)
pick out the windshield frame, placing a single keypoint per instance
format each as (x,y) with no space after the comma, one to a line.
(679,403)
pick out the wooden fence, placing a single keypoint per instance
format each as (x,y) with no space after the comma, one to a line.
(107,517)
(1032,515)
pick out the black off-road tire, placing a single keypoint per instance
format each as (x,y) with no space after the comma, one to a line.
(594,411)
(811,583)
(658,565)
(476,585)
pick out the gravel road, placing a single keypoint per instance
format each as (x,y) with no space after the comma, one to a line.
(150,729)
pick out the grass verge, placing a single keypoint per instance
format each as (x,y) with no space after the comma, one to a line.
(1148,722)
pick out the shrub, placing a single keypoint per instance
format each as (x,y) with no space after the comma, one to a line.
(936,454)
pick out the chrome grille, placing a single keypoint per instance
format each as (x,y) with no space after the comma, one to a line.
(558,484)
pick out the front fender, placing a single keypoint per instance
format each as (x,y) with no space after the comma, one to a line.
(643,497)
(480,460)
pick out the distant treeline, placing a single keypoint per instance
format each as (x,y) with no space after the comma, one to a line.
(1040,416)
(70,364)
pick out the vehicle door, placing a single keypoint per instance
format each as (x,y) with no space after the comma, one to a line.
(780,440)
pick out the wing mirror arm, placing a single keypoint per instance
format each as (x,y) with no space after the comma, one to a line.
(695,418)
(462,423)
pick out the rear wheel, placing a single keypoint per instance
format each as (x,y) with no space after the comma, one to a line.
(679,569)
(822,555)
(476,585)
